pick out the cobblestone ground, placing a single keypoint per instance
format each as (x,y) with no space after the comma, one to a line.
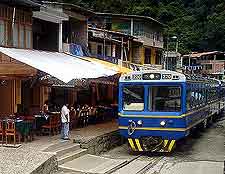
(201,152)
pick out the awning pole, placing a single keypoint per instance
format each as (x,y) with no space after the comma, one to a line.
(122,52)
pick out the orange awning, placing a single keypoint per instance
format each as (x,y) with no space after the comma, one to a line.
(109,65)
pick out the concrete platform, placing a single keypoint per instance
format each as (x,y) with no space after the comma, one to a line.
(133,167)
(197,167)
(40,154)
(91,164)
(24,161)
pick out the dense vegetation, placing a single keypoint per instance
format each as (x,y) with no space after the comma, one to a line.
(199,24)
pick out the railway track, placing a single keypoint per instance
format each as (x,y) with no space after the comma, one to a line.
(129,165)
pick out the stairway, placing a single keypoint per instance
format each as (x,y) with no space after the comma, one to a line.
(74,160)
(66,151)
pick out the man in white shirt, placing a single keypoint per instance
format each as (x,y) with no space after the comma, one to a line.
(65,119)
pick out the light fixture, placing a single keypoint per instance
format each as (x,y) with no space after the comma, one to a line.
(152,76)
(139,122)
(3,82)
(163,123)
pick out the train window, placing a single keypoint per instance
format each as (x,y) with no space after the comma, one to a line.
(133,98)
(165,99)
(188,98)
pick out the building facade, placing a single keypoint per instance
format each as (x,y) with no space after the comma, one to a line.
(206,63)
(146,46)
(49,32)
(15,31)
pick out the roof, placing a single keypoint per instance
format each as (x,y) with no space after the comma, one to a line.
(62,66)
(197,55)
(81,10)
(131,16)
(26,3)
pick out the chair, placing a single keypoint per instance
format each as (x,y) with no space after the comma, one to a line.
(10,131)
(2,131)
(49,128)
(73,119)
(29,127)
(92,115)
(83,118)
(56,124)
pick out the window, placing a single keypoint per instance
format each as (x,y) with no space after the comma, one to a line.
(21,36)
(133,98)
(15,35)
(188,98)
(165,99)
(208,66)
(2,33)
(28,31)
(99,49)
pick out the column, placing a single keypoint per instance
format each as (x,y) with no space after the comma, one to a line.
(132,27)
(60,38)
(121,52)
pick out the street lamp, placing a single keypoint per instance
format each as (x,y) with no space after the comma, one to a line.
(167,49)
(177,42)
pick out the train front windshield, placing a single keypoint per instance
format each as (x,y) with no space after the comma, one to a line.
(159,98)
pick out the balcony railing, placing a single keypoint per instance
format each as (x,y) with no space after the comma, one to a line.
(138,67)
(106,58)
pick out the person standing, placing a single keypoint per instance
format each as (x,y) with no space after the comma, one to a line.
(65,119)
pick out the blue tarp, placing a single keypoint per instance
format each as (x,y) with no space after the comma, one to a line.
(76,50)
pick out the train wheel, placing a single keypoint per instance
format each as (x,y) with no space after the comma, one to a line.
(203,125)
(210,121)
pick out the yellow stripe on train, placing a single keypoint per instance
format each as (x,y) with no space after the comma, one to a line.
(131,144)
(168,145)
(138,145)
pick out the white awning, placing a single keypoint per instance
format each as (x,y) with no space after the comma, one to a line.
(62,66)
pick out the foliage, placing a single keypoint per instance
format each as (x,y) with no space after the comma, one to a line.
(199,24)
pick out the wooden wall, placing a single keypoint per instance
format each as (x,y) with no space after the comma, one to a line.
(10,93)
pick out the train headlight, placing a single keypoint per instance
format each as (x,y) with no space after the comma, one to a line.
(152,76)
(163,123)
(139,123)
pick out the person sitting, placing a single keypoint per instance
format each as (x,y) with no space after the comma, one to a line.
(45,107)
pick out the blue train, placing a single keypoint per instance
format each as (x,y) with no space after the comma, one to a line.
(159,107)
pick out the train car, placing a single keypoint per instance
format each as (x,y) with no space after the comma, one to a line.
(159,107)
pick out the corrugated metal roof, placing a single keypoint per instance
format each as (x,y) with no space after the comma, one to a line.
(27,3)
(197,55)
(73,6)
(130,16)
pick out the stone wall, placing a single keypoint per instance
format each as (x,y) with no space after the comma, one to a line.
(103,143)
(48,167)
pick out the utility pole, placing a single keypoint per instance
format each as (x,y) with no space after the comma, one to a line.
(104,43)
(121,51)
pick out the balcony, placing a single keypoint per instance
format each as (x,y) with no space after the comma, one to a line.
(150,39)
(138,67)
